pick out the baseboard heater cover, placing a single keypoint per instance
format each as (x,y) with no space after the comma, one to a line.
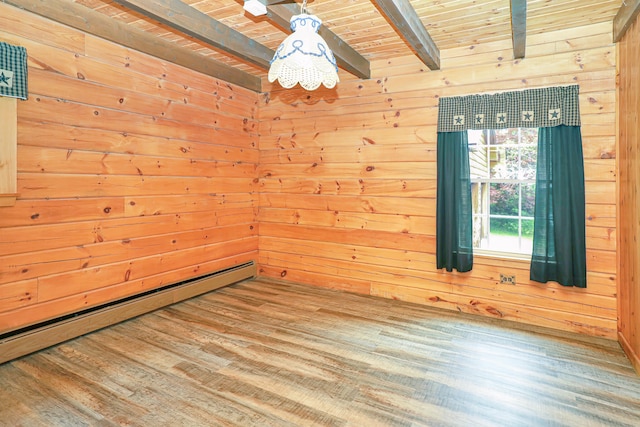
(42,335)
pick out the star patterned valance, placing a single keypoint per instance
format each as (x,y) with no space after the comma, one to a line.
(13,71)
(542,107)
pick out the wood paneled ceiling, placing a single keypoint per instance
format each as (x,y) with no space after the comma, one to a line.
(220,38)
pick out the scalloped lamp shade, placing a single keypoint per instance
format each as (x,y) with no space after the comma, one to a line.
(304,57)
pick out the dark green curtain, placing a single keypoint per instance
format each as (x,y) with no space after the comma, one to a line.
(559,249)
(454,224)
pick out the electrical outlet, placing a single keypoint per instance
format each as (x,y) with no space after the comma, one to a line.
(509,280)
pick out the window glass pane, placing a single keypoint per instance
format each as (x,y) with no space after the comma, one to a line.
(503,136)
(504,162)
(475,137)
(480,232)
(528,161)
(476,197)
(479,167)
(479,203)
(526,241)
(504,199)
(504,235)
(528,199)
(527,229)
(496,161)
(529,136)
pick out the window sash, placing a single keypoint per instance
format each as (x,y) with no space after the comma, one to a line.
(483,221)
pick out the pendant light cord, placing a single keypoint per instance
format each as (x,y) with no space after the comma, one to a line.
(303,6)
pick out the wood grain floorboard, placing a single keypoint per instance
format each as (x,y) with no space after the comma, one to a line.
(270,353)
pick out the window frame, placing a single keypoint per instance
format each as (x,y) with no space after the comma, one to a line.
(8,151)
(486,217)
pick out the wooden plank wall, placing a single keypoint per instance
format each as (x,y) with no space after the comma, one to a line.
(629,202)
(348,182)
(132,173)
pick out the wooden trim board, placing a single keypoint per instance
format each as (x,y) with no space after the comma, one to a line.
(28,342)
(628,350)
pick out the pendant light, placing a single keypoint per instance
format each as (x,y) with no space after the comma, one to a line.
(304,57)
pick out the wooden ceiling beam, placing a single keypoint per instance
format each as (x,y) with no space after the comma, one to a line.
(201,26)
(84,19)
(624,18)
(519,27)
(407,23)
(346,56)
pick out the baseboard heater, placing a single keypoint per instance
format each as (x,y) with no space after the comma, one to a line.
(42,335)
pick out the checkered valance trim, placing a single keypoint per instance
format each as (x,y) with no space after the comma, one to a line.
(543,107)
(13,71)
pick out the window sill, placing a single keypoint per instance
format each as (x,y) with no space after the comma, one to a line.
(501,255)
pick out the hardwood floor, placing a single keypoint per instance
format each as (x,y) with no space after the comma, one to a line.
(265,353)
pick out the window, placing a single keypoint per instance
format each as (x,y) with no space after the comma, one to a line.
(13,84)
(503,180)
(8,150)
(488,180)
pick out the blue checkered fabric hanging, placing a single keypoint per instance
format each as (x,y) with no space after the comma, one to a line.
(13,71)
